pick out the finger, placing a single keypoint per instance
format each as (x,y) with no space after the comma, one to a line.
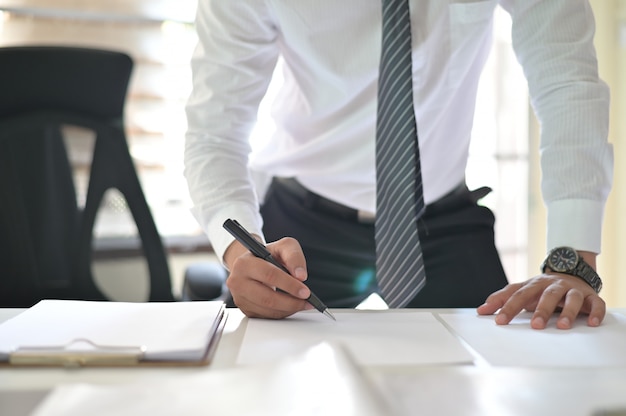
(289,253)
(270,275)
(597,309)
(277,279)
(267,303)
(549,300)
(256,299)
(523,296)
(252,282)
(571,307)
(497,299)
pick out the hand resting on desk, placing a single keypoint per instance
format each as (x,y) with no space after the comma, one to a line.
(546,294)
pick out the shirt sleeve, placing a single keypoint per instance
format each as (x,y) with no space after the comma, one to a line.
(231,69)
(553,41)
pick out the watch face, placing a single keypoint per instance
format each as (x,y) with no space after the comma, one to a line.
(563,259)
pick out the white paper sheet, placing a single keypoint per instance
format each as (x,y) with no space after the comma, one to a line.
(517,344)
(372,337)
(167,330)
(320,381)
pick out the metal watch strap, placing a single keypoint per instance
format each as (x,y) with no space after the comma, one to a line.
(586,272)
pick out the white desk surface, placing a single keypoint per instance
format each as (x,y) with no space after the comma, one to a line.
(434,389)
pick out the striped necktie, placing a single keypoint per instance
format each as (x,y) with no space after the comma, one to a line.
(400,202)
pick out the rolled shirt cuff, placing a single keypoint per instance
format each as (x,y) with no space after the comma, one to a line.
(576,223)
(218,236)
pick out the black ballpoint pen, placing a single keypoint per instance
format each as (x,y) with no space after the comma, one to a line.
(259,250)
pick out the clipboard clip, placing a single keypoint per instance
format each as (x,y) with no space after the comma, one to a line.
(73,355)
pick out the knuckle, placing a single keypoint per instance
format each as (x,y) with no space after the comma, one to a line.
(493,297)
(231,283)
(544,280)
(575,294)
(285,243)
(520,292)
(511,287)
(553,292)
(238,266)
(555,289)
(289,240)
(597,302)
(289,246)
(271,278)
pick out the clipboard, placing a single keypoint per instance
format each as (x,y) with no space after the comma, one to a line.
(70,333)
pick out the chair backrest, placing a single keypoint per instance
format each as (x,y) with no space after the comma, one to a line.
(45,237)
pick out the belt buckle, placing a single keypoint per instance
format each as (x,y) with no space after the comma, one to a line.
(365,217)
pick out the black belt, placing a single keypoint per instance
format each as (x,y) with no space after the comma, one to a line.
(460,194)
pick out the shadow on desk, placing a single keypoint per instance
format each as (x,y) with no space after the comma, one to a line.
(20,403)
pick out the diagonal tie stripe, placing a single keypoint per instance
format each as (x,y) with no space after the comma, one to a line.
(399,263)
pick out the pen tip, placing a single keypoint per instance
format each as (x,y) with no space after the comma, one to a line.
(330,315)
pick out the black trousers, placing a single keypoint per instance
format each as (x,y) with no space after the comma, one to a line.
(457,237)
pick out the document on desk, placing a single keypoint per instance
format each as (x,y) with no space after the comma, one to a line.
(384,337)
(517,344)
(71,332)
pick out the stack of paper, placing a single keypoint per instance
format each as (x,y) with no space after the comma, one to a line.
(66,332)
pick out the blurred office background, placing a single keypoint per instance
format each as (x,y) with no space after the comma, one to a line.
(159,35)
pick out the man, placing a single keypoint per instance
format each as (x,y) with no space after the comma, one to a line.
(311,191)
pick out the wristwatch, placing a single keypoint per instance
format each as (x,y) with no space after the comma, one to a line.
(567,260)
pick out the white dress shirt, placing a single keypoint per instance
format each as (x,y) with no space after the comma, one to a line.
(325,112)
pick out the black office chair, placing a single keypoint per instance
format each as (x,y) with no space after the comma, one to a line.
(45,237)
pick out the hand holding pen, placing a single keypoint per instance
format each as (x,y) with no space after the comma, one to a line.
(260,251)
